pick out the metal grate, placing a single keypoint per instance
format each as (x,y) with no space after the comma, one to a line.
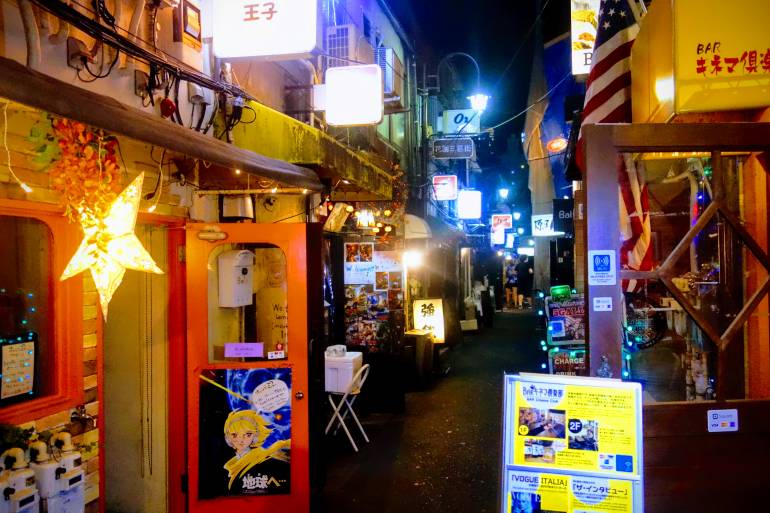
(338,46)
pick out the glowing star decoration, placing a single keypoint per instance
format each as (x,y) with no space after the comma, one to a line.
(110,246)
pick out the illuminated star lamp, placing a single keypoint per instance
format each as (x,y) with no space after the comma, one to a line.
(110,246)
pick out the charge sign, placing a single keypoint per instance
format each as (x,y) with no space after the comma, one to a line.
(601,267)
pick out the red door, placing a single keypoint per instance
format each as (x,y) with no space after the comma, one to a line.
(247,368)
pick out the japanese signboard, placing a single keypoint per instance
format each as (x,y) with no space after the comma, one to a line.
(701,56)
(500,223)
(445,187)
(453,148)
(254,28)
(585,15)
(429,316)
(464,121)
(571,444)
(542,226)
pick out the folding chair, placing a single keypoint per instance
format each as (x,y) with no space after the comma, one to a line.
(346,401)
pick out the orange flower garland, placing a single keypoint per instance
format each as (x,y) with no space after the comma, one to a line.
(87,174)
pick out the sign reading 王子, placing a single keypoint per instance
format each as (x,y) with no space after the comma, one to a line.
(429,316)
(571,444)
(278,29)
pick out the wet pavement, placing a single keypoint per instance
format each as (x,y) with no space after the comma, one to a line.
(442,455)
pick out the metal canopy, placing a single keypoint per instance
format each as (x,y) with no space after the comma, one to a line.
(26,86)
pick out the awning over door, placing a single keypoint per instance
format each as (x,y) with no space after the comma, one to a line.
(416,227)
(23,85)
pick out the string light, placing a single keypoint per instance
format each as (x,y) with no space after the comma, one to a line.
(157,193)
(26,188)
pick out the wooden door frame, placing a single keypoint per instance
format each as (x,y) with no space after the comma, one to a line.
(292,239)
(604,143)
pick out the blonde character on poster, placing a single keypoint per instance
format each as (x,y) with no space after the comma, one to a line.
(255,466)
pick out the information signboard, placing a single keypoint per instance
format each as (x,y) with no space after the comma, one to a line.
(453,148)
(571,444)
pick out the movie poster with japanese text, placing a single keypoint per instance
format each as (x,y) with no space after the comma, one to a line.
(244,432)
(534,492)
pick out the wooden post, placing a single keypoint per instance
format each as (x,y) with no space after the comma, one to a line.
(603,329)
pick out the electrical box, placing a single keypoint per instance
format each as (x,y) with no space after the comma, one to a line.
(236,272)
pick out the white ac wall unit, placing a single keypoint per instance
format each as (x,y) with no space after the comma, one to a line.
(393,77)
(346,46)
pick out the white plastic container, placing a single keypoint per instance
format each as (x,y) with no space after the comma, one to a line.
(341,369)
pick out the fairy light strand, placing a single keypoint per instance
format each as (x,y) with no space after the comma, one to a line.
(26,188)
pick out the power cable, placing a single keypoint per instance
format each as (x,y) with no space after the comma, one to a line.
(533,105)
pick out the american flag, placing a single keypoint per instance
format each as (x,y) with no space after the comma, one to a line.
(608,100)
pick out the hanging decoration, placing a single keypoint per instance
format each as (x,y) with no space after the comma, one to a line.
(110,245)
(84,170)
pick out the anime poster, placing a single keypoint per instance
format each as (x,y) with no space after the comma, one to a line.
(245,432)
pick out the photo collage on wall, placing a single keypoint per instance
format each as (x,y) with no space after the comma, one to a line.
(374,296)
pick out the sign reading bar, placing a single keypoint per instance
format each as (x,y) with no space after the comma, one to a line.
(571,444)
(453,148)
(563,210)
(445,187)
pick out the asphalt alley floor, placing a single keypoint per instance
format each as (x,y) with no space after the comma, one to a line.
(443,454)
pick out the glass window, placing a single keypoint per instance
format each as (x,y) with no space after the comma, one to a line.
(26,317)
(248,303)
(708,272)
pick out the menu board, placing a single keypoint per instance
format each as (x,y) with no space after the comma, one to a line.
(571,444)
(18,369)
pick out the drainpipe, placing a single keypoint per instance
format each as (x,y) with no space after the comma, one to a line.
(133,28)
(31,34)
(61,35)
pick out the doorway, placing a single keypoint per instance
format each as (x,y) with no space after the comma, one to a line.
(136,362)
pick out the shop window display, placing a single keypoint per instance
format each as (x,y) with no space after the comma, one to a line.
(674,325)
(248,303)
(26,347)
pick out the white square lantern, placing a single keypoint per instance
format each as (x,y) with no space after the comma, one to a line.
(354,95)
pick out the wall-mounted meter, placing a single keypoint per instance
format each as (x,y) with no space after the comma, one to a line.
(236,272)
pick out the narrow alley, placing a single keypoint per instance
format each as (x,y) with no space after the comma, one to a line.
(443,453)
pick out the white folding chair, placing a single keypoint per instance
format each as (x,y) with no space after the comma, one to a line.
(346,401)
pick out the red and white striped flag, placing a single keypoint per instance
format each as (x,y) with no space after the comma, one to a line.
(608,100)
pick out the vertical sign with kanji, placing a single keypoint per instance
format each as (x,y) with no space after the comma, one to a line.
(429,316)
(571,444)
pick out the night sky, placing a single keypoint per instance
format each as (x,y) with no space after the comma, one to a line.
(490,30)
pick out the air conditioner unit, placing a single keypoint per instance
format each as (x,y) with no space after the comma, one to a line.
(346,46)
(393,76)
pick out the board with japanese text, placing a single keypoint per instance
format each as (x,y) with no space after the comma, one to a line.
(571,445)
